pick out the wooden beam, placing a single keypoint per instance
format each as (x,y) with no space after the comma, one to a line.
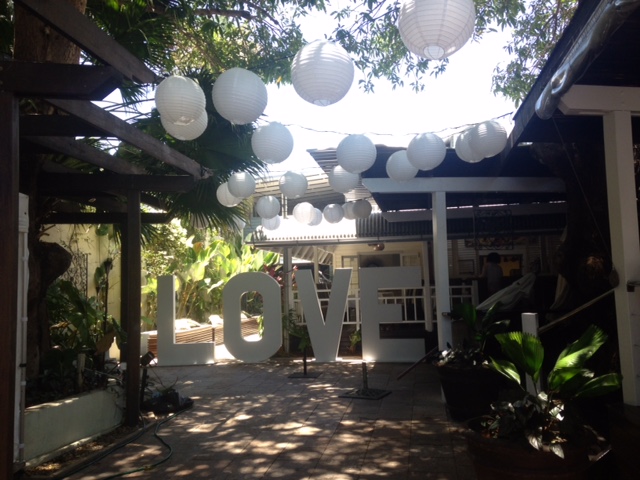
(81,218)
(9,204)
(58,126)
(86,153)
(82,31)
(69,184)
(82,82)
(130,134)
(596,100)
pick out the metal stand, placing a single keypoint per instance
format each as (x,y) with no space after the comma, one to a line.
(365,392)
(305,373)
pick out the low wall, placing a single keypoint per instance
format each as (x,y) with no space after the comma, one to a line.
(51,428)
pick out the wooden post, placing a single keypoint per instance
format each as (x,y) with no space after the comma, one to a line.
(9,205)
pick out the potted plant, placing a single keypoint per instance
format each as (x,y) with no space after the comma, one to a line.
(541,434)
(468,384)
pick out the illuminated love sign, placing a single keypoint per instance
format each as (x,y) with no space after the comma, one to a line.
(324,333)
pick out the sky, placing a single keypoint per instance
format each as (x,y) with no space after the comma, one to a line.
(461,96)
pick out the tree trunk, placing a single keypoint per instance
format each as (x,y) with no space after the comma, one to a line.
(37,42)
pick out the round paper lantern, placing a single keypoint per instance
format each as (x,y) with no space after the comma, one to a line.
(399,168)
(426,151)
(322,72)
(180,100)
(224,196)
(464,150)
(241,185)
(347,208)
(271,223)
(267,207)
(293,185)
(317,217)
(304,213)
(342,181)
(488,138)
(361,208)
(186,132)
(333,213)
(272,143)
(356,153)
(239,95)
(435,29)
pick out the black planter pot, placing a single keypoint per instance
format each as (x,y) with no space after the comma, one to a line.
(469,391)
(517,460)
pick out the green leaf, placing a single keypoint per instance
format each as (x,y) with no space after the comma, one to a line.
(524,350)
(578,352)
(600,385)
(561,376)
(506,368)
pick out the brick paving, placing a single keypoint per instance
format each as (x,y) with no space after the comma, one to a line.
(252,421)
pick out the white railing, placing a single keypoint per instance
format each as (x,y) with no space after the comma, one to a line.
(410,299)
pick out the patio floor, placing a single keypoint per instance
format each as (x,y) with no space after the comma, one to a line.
(252,421)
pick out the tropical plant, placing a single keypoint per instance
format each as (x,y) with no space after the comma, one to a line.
(550,418)
(481,328)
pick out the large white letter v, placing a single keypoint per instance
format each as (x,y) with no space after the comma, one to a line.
(324,334)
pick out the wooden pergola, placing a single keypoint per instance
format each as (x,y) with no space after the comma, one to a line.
(71,90)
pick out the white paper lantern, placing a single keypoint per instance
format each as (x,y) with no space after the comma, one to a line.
(464,151)
(356,153)
(426,151)
(267,207)
(224,196)
(271,223)
(362,208)
(341,180)
(239,95)
(180,100)
(333,213)
(241,184)
(347,208)
(304,213)
(488,138)
(322,72)
(317,218)
(293,185)
(186,132)
(398,167)
(435,29)
(272,143)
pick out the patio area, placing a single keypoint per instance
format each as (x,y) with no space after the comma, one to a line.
(253,421)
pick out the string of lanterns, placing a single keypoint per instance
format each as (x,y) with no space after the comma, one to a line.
(322,73)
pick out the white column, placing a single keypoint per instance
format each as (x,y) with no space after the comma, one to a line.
(623,222)
(426,287)
(441,268)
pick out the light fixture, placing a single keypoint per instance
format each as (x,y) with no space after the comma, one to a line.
(271,223)
(487,138)
(426,151)
(333,213)
(347,208)
(463,149)
(239,95)
(180,100)
(304,213)
(356,153)
(398,167)
(317,217)
(272,143)
(435,29)
(241,184)
(362,208)
(186,132)
(267,207)
(341,180)
(293,185)
(378,247)
(322,72)
(224,196)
